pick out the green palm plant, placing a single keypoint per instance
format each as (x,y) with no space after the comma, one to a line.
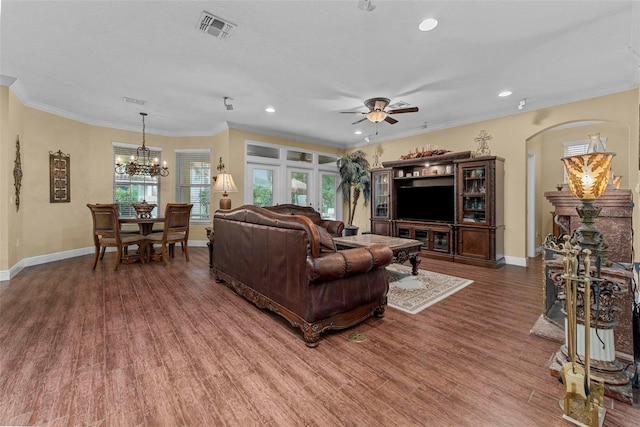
(355,180)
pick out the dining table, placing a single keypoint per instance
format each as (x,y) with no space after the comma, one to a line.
(145,225)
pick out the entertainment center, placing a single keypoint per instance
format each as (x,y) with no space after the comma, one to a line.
(453,203)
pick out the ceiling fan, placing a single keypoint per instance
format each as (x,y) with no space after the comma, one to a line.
(377,112)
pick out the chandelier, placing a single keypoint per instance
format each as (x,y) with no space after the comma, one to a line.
(142,163)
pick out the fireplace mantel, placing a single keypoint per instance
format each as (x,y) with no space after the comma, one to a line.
(614,221)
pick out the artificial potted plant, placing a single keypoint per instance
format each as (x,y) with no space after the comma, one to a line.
(355,180)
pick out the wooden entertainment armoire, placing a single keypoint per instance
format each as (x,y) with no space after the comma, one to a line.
(453,203)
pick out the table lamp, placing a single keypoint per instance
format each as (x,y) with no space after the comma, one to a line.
(224,184)
(588,176)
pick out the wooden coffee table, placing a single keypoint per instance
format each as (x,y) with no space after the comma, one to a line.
(403,249)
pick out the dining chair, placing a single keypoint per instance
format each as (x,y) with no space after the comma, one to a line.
(176,230)
(106,233)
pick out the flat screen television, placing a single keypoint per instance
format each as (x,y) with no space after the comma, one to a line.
(434,203)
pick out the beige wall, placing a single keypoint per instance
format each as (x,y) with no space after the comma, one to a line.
(510,135)
(41,228)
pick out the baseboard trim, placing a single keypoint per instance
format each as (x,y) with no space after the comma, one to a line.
(513,260)
(58,256)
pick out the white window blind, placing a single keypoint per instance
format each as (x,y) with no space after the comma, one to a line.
(193,182)
(137,188)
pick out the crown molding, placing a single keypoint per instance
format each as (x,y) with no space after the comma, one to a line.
(532,105)
(7,80)
(286,135)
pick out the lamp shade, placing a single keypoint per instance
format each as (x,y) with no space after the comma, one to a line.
(224,184)
(588,174)
(376,116)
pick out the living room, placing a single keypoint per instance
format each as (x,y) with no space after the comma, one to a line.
(41,232)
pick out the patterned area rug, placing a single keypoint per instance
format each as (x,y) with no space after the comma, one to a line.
(413,294)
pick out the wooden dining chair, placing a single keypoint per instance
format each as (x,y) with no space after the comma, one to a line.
(177,217)
(106,233)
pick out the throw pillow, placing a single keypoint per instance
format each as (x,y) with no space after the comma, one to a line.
(326,241)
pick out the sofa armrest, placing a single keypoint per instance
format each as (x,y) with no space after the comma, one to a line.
(348,262)
(333,227)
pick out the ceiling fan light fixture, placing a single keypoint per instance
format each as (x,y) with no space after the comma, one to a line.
(428,24)
(376,116)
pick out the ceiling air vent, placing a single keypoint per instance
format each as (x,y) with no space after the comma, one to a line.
(399,104)
(217,27)
(134,101)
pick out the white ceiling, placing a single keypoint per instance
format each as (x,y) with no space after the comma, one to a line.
(312,59)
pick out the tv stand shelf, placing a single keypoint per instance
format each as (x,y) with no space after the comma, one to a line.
(452,202)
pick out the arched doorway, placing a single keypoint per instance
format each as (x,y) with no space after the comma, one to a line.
(545,170)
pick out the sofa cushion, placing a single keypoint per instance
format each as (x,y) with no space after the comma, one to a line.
(326,241)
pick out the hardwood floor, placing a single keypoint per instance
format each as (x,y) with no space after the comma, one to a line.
(154,345)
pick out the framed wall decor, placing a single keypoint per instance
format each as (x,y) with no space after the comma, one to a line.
(59,177)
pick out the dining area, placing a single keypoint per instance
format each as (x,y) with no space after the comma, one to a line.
(153,240)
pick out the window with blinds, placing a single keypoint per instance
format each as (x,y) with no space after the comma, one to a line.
(193,182)
(137,188)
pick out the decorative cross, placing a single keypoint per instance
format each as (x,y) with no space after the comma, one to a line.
(483,145)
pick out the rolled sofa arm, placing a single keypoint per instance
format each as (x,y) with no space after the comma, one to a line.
(333,227)
(348,262)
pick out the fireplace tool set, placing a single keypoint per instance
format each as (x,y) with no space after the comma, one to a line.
(583,402)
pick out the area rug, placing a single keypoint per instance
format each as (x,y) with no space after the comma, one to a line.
(413,294)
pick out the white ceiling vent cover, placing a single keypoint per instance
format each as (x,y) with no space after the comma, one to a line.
(217,27)
(399,104)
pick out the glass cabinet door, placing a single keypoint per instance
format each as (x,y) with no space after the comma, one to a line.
(381,192)
(474,191)
(441,241)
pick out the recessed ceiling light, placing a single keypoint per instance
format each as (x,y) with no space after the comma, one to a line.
(358,132)
(504,93)
(428,24)
(270,110)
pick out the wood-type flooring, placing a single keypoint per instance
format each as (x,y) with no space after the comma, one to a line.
(150,345)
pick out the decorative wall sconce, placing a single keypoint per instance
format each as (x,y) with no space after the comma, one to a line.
(17,173)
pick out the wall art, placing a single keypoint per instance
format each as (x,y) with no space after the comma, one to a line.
(59,177)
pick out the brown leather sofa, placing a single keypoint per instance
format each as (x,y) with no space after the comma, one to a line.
(278,262)
(333,227)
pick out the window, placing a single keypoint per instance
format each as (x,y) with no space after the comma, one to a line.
(137,188)
(193,181)
(278,174)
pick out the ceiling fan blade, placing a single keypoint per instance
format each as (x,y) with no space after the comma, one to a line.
(361,120)
(390,120)
(352,112)
(403,110)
